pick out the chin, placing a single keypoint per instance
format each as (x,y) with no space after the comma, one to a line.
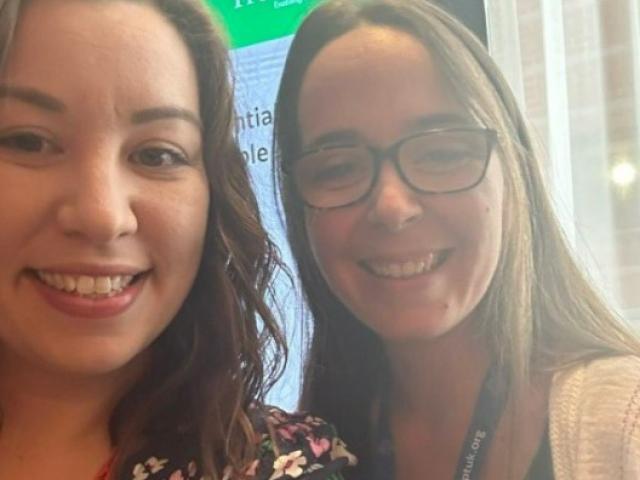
(417,335)
(419,326)
(97,362)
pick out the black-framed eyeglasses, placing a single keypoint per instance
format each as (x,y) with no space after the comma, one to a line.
(444,160)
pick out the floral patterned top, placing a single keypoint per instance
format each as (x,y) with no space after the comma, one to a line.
(290,446)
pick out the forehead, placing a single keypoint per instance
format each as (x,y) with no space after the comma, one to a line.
(79,49)
(376,80)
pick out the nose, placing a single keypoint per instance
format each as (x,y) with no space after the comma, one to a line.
(97,204)
(393,205)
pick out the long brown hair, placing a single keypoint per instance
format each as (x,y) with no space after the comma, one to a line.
(223,349)
(540,311)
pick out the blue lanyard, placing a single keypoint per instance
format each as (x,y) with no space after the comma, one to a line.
(484,422)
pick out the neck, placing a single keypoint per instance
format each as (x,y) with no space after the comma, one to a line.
(438,380)
(42,409)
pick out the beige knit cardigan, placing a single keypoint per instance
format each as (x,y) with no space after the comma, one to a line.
(594,420)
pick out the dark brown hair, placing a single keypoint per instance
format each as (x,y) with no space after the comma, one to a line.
(223,349)
(540,311)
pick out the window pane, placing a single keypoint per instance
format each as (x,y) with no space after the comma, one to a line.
(575,66)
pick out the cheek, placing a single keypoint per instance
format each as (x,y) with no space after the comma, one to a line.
(491,200)
(320,243)
(489,224)
(328,236)
(492,227)
(176,223)
(491,217)
(28,212)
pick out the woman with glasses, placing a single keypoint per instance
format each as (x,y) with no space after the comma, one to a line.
(454,334)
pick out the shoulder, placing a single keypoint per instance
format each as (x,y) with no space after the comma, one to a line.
(594,419)
(288,446)
(598,383)
(166,457)
(616,372)
(296,445)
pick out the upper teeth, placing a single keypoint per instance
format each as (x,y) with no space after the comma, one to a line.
(85,284)
(403,269)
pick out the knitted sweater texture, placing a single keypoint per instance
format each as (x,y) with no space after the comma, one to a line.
(594,420)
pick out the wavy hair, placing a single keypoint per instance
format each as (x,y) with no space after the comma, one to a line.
(540,311)
(223,350)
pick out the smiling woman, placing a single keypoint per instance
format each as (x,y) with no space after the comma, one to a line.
(133,329)
(454,334)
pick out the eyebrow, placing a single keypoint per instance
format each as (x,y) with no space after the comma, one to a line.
(335,137)
(165,113)
(427,122)
(440,120)
(33,97)
(44,101)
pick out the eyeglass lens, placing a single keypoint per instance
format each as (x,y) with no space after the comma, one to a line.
(436,162)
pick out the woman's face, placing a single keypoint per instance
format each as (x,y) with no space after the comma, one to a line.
(411,266)
(103,191)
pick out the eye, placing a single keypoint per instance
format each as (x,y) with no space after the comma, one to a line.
(28,142)
(334,168)
(160,157)
(335,171)
(445,155)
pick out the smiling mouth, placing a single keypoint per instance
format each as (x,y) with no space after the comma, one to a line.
(406,268)
(93,287)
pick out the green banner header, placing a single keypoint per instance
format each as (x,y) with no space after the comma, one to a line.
(247,22)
